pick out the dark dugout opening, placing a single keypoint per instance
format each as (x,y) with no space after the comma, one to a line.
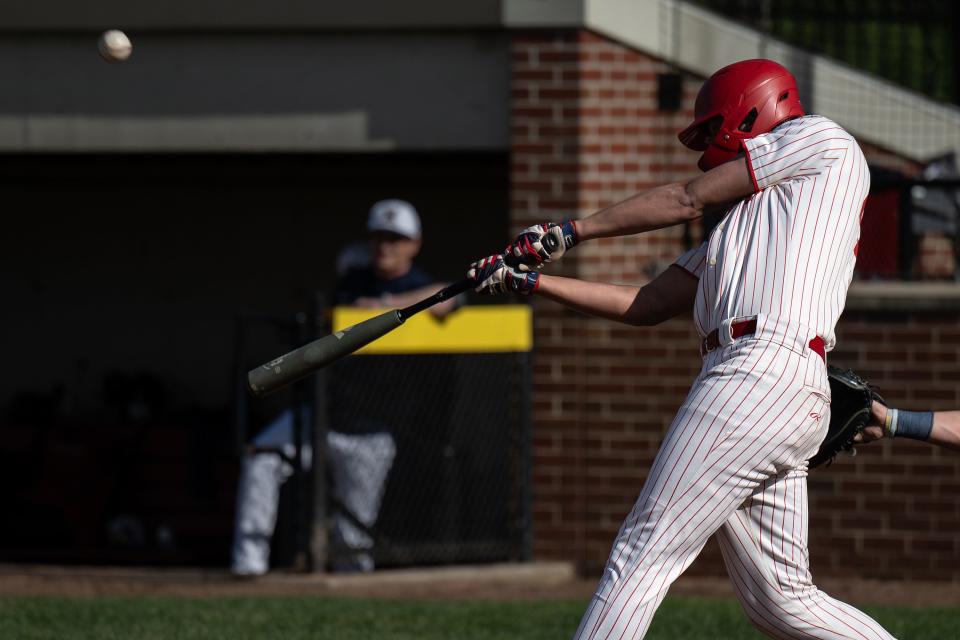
(123,276)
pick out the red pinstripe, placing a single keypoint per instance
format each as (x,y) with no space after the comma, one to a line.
(779,589)
(819,153)
(800,243)
(662,460)
(679,420)
(703,473)
(717,523)
(741,585)
(777,140)
(758,588)
(838,238)
(753,174)
(833,238)
(710,513)
(848,612)
(816,224)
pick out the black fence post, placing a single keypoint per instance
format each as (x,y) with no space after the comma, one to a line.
(317,533)
(525,517)
(239,390)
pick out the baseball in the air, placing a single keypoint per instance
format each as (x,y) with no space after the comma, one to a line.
(114,46)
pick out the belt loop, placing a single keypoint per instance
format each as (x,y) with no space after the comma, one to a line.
(725,333)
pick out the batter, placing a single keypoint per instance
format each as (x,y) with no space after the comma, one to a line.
(766,289)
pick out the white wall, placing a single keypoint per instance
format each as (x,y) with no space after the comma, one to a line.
(60,15)
(259,92)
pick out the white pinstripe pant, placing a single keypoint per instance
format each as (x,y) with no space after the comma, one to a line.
(732,463)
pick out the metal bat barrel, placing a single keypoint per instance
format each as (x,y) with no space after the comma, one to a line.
(301,362)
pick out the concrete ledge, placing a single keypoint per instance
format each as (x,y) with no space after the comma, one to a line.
(904,296)
(506,580)
(293,132)
(533,574)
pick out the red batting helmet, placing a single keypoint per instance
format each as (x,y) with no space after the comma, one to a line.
(743,100)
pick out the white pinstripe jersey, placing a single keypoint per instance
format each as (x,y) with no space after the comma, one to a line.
(786,254)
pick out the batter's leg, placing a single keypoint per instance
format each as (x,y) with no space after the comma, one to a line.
(725,441)
(764,545)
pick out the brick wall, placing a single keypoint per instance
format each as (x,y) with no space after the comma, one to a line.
(586,132)
(899,514)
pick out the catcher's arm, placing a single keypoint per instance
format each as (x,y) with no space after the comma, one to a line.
(945,431)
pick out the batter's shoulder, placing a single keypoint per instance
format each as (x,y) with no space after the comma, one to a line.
(814,127)
(798,149)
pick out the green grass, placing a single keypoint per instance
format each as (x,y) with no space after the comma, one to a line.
(302,617)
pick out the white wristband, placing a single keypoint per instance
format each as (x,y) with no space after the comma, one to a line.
(890,423)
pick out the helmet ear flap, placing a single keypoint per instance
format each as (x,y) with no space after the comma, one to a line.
(700,135)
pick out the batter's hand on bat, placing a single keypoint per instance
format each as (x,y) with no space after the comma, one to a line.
(492,276)
(529,251)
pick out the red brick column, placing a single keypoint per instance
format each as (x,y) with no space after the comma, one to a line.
(587,133)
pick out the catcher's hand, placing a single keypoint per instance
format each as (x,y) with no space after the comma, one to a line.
(874,431)
(851,404)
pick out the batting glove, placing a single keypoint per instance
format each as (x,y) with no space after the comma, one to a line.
(528,252)
(492,276)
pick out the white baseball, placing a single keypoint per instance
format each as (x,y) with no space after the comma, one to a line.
(114,46)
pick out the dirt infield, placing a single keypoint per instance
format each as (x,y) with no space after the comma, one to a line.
(488,582)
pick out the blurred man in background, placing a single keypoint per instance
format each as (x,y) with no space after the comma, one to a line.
(359,456)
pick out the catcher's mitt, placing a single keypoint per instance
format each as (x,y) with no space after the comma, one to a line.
(851,398)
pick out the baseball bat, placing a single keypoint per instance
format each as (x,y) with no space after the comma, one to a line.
(301,362)
(315,355)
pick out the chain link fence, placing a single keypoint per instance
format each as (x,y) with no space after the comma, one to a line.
(909,228)
(427,458)
(422,458)
(908,43)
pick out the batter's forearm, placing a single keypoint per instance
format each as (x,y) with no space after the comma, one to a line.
(654,209)
(637,306)
(670,204)
(609,301)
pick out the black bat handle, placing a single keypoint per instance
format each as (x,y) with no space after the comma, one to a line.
(446,293)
